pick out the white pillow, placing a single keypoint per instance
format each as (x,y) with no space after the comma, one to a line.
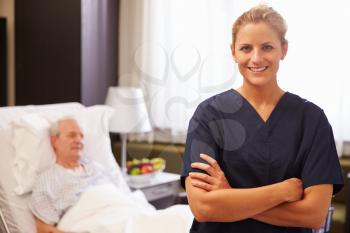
(97,144)
(34,152)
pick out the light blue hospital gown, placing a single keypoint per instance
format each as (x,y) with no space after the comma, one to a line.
(58,189)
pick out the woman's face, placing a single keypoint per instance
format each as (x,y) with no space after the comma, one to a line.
(257,51)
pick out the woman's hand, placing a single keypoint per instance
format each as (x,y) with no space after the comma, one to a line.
(293,189)
(214,179)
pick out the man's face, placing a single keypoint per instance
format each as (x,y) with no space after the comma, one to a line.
(68,143)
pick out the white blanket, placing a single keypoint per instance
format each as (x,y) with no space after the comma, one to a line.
(104,209)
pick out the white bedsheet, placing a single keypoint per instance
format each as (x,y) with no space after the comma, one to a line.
(105,209)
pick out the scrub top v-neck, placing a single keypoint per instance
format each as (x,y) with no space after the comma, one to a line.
(295,141)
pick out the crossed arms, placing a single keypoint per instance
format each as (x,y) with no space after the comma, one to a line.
(284,204)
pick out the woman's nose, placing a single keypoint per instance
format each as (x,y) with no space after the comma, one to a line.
(256,56)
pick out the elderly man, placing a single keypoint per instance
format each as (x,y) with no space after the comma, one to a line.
(59,188)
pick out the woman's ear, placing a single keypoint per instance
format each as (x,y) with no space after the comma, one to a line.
(284,50)
(233,53)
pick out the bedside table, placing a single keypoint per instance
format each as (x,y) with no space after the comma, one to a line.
(161,191)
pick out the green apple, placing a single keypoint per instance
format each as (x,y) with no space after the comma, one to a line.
(135,171)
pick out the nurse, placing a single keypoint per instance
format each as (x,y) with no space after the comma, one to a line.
(258,158)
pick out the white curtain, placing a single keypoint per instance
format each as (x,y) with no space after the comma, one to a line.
(179,54)
(316,65)
(178,51)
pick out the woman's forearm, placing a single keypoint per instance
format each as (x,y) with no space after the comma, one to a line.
(309,212)
(227,205)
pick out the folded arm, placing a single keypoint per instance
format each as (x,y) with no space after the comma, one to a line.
(309,212)
(228,205)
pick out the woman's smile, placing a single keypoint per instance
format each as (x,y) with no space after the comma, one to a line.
(257,69)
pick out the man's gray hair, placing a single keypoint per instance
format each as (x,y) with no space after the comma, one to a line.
(54,126)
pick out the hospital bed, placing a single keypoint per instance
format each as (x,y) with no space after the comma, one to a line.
(25,151)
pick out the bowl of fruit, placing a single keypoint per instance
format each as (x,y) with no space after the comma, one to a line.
(143,170)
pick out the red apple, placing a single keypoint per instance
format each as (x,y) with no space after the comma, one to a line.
(146,168)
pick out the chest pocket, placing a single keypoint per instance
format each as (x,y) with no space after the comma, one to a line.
(245,168)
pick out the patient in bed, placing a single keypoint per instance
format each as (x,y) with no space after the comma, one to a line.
(60,187)
(78,195)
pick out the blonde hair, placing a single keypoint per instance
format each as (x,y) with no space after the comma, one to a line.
(261,13)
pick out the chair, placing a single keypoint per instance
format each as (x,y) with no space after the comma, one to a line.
(327,223)
(347,214)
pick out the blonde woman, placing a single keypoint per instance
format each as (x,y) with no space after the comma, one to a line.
(258,158)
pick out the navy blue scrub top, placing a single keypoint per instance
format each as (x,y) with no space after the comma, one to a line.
(296,141)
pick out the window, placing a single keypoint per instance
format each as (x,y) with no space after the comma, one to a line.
(179,52)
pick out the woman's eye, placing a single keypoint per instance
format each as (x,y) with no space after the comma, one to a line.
(267,47)
(245,49)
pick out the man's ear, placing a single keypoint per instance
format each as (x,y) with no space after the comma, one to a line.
(284,50)
(53,140)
